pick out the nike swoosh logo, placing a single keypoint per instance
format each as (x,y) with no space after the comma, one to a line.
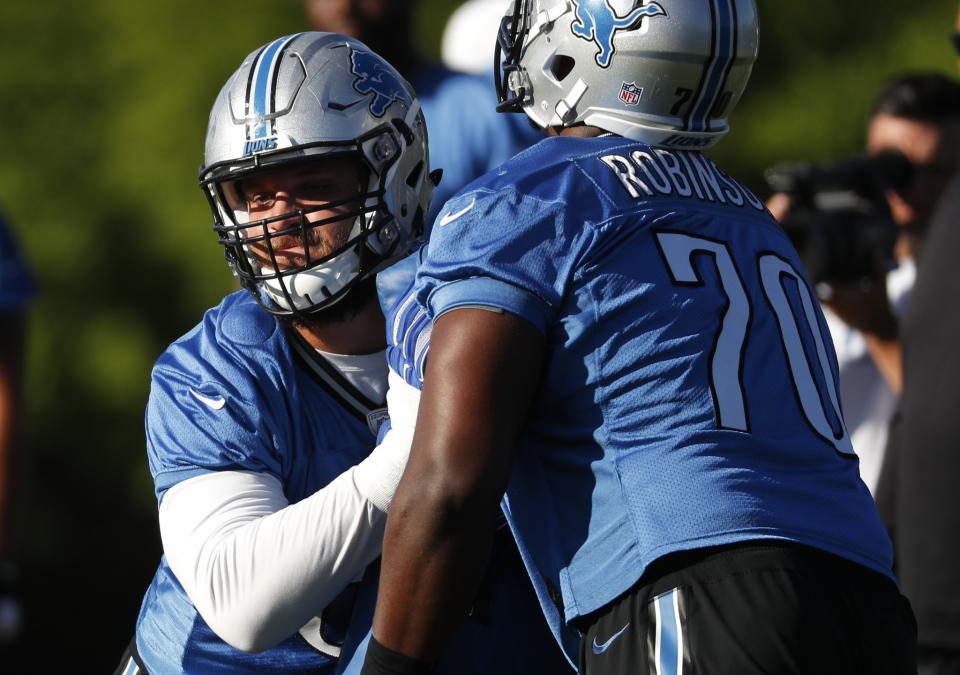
(450,217)
(601,648)
(212,403)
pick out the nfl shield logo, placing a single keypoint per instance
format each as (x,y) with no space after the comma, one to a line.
(630,93)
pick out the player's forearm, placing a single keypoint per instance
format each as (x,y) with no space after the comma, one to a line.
(435,551)
(256,569)
(887,356)
(482,372)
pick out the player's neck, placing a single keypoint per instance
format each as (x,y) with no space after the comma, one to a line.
(362,332)
(580,130)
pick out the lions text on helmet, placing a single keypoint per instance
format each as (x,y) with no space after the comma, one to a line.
(310,200)
(644,70)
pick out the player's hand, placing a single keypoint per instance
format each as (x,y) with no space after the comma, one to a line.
(779,205)
(865,306)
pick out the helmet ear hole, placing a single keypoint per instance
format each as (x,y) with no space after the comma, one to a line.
(417,224)
(414,176)
(560,65)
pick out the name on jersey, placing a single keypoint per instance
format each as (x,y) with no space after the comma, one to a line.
(649,172)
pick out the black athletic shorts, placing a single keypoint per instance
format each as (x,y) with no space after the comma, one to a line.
(130,663)
(764,608)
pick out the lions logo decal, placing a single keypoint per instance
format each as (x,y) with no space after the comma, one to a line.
(383,83)
(597,22)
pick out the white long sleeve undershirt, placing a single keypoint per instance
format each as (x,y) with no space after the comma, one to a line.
(258,568)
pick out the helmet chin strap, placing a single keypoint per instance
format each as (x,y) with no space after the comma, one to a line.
(566,109)
(314,286)
(546,17)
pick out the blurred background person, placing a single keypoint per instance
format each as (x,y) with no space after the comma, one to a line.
(16,291)
(918,116)
(918,487)
(467,135)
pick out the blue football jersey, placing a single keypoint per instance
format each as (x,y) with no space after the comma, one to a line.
(241,392)
(16,281)
(689,397)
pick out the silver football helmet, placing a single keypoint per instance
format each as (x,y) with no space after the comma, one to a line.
(304,98)
(665,72)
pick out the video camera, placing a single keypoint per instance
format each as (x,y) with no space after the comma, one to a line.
(839,220)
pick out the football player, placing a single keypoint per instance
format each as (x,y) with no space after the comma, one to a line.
(625,348)
(261,420)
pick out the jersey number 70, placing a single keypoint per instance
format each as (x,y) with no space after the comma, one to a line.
(726,361)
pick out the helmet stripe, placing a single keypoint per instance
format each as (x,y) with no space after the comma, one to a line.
(735,22)
(688,123)
(718,65)
(264,81)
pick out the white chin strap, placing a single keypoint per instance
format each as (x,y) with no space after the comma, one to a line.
(312,287)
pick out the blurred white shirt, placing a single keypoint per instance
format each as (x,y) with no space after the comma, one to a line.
(868,401)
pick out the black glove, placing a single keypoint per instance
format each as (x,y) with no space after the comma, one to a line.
(383,661)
